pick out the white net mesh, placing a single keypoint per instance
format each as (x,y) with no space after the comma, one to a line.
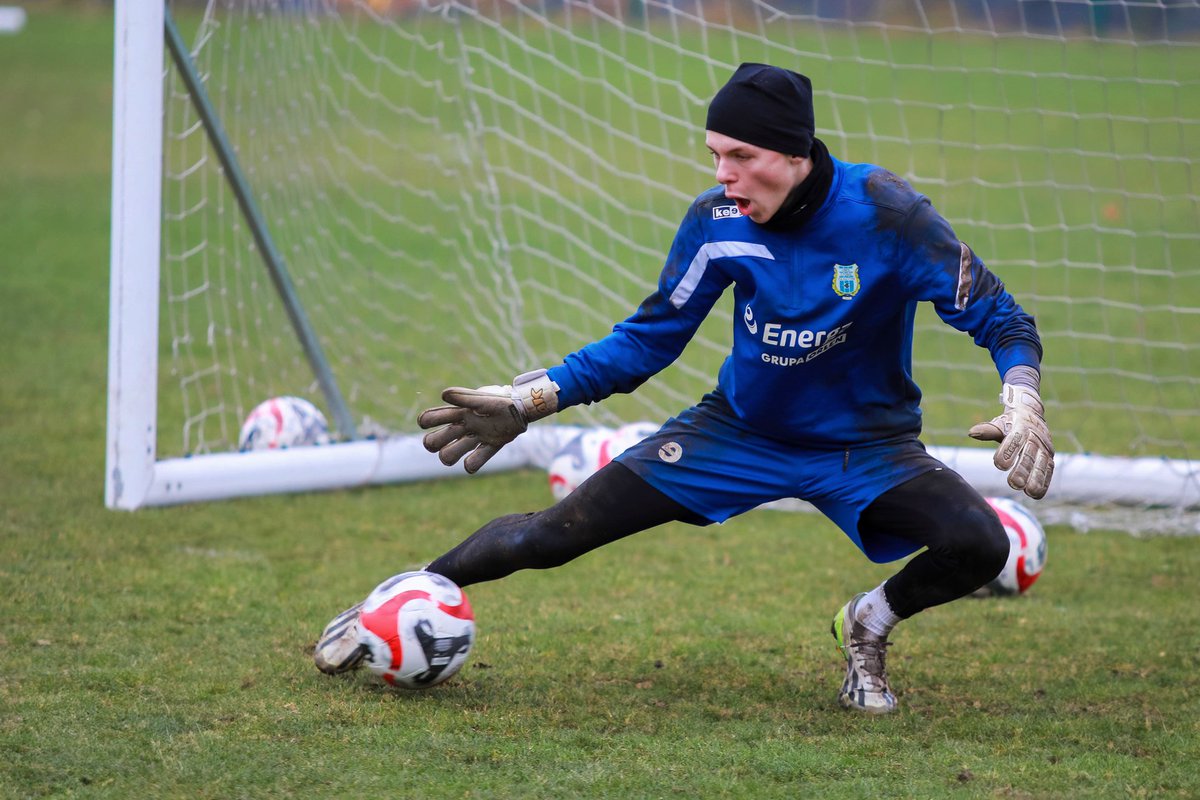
(466,190)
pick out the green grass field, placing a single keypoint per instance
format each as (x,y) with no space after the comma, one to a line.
(166,653)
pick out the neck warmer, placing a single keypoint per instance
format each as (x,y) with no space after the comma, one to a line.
(806,199)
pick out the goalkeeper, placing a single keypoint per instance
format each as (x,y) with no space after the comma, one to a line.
(828,260)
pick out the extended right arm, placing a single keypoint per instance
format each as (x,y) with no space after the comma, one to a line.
(481,421)
(637,349)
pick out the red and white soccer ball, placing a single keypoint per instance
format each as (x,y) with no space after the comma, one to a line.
(418,628)
(581,457)
(1027,549)
(283,422)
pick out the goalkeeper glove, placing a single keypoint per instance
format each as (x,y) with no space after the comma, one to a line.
(481,421)
(1026,451)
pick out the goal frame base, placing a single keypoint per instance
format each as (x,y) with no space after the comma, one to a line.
(1078,479)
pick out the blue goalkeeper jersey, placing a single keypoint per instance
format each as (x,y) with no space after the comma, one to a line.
(823,315)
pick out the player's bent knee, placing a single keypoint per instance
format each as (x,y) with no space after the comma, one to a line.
(972,543)
(989,545)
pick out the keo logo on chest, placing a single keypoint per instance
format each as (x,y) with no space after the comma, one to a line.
(725,212)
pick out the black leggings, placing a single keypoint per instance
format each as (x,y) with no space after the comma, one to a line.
(608,506)
(965,544)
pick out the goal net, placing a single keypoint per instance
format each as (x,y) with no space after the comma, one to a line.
(461,191)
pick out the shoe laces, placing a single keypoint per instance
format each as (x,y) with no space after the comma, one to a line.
(869,656)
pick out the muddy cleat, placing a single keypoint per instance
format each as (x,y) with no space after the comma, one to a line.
(866,685)
(338,649)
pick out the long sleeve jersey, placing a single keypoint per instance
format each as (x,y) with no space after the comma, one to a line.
(823,318)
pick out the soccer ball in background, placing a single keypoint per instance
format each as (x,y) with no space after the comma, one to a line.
(418,628)
(1027,549)
(581,457)
(283,422)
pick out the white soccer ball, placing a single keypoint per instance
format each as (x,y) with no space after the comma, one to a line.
(418,628)
(283,422)
(581,457)
(1027,549)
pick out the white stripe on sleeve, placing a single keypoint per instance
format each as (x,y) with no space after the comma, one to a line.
(711,250)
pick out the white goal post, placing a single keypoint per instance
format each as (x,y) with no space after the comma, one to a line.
(363,201)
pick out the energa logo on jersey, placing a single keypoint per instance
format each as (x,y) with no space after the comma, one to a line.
(845,280)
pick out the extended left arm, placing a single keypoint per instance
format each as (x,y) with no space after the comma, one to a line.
(971,298)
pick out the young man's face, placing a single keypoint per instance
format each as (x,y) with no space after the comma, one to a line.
(755,178)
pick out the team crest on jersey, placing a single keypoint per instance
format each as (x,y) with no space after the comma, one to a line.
(845,280)
(726,212)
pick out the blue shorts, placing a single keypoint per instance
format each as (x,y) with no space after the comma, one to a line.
(712,463)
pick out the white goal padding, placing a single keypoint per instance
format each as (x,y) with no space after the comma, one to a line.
(395,459)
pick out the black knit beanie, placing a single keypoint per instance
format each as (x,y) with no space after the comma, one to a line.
(766,106)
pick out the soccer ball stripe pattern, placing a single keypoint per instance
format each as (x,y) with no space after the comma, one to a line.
(418,628)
